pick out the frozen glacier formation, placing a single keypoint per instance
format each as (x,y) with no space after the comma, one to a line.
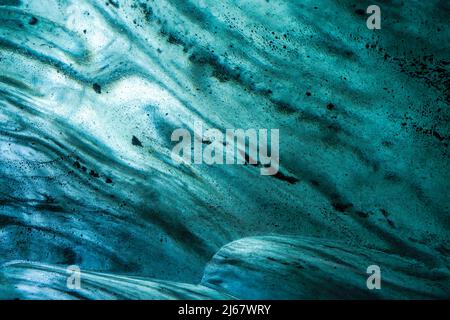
(91,91)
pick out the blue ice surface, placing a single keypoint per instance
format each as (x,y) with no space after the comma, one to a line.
(91,91)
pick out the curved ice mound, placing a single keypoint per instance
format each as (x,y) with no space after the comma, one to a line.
(269,267)
(27,280)
(290,267)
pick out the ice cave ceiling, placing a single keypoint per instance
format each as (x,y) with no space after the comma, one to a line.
(90,92)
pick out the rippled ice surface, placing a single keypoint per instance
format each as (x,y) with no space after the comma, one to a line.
(90,92)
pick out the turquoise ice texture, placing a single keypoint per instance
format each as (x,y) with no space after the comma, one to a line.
(90,92)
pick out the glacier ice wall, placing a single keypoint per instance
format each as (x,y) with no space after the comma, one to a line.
(90,92)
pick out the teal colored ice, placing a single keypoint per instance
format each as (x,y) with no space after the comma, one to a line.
(91,91)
